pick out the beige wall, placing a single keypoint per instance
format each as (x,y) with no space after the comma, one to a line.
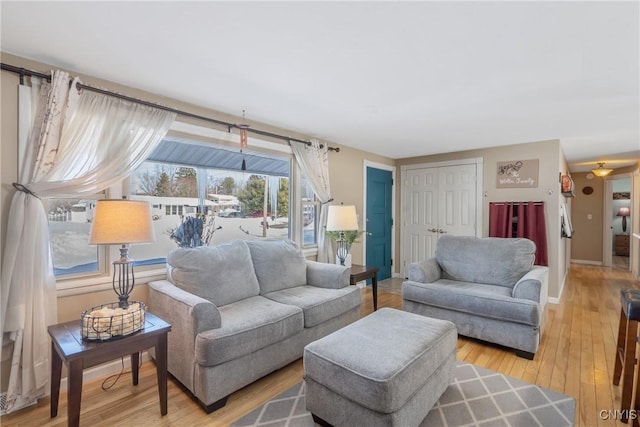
(551,162)
(347,185)
(587,219)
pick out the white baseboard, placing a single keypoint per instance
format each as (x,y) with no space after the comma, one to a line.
(110,368)
(587,262)
(554,300)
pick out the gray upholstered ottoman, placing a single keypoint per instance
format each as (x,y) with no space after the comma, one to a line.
(388,368)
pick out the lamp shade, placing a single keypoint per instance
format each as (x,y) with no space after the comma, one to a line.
(342,218)
(624,211)
(120,222)
(601,171)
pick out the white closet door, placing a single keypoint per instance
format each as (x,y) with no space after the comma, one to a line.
(436,201)
(457,200)
(420,215)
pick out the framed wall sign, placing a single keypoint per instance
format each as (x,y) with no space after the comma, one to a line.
(517,174)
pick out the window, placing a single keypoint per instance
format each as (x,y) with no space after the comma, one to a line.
(310,209)
(247,204)
(251,204)
(69,228)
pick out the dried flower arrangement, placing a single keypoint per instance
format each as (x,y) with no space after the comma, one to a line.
(194,230)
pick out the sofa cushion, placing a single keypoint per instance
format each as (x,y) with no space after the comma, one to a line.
(318,304)
(247,326)
(221,274)
(279,264)
(490,260)
(488,301)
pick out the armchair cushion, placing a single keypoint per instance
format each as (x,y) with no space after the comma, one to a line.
(503,261)
(279,264)
(221,274)
(489,301)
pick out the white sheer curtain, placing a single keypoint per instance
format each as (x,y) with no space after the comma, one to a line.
(78,144)
(314,163)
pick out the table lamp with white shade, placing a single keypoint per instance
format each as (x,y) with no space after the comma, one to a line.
(122,222)
(342,218)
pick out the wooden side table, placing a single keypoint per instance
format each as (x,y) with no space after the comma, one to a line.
(362,272)
(68,346)
(622,245)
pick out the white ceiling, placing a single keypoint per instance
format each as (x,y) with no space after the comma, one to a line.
(400,79)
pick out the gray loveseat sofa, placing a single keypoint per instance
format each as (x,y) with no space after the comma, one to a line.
(244,309)
(488,287)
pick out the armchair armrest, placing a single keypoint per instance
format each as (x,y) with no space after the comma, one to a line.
(325,275)
(533,285)
(426,271)
(188,314)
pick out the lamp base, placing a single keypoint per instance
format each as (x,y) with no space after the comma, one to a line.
(346,261)
(342,250)
(123,277)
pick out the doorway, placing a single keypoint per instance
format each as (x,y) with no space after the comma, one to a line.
(379,219)
(617,218)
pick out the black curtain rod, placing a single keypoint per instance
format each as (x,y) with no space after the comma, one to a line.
(25,72)
(515,203)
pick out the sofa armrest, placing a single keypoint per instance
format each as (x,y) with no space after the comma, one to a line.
(325,275)
(532,286)
(426,271)
(188,314)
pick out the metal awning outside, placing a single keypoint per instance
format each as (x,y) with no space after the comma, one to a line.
(175,151)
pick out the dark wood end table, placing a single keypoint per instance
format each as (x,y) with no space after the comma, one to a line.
(362,272)
(68,346)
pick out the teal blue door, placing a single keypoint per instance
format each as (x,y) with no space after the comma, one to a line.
(379,221)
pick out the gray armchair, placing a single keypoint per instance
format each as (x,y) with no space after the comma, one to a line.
(488,287)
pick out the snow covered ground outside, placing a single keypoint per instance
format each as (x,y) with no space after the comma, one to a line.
(72,252)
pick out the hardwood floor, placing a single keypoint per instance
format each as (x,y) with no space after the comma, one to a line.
(576,357)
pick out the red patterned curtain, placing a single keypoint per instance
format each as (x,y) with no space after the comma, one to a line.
(521,219)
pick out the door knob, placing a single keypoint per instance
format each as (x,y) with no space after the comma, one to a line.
(433,230)
(369,234)
(441,231)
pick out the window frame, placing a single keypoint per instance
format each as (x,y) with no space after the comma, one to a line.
(101,257)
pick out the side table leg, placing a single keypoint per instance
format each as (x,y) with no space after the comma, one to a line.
(135,367)
(161,370)
(74,392)
(56,373)
(374,284)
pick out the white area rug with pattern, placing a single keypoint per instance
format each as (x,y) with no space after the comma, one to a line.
(477,397)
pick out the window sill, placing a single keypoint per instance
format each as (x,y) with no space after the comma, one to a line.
(87,285)
(310,252)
